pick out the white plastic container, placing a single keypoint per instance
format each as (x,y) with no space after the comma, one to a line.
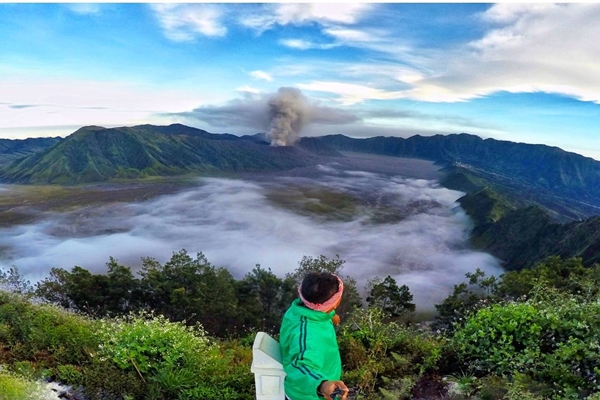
(267,368)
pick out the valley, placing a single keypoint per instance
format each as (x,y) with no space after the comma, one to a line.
(378,214)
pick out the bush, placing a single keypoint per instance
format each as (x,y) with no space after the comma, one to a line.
(15,387)
(175,361)
(552,338)
(45,334)
(385,358)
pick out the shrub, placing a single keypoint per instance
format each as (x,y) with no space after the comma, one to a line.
(175,361)
(384,357)
(552,338)
(44,334)
(15,387)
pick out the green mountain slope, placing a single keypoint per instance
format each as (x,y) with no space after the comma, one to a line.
(12,149)
(523,237)
(94,154)
(567,183)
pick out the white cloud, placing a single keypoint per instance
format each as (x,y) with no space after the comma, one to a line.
(351,93)
(184,22)
(261,75)
(305,44)
(532,48)
(248,89)
(353,35)
(71,102)
(85,8)
(300,14)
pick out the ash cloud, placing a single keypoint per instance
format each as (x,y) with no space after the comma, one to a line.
(283,115)
(235,225)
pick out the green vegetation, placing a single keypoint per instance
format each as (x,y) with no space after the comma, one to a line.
(97,154)
(17,387)
(183,331)
(524,237)
(330,204)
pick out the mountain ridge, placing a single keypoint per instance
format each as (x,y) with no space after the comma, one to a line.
(94,154)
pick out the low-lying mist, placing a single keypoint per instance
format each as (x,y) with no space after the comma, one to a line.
(411,229)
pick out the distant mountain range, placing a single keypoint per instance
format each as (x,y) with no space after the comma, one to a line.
(95,154)
(13,149)
(566,184)
(519,195)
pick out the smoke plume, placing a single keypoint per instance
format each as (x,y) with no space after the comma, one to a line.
(282,115)
(290,111)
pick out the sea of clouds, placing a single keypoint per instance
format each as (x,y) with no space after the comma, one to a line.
(233,222)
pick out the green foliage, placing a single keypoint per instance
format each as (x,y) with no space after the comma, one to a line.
(12,281)
(553,338)
(114,293)
(170,357)
(383,357)
(15,387)
(263,298)
(44,334)
(391,298)
(465,299)
(567,276)
(191,290)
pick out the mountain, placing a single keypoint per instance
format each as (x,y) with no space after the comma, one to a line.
(95,153)
(567,184)
(12,149)
(523,237)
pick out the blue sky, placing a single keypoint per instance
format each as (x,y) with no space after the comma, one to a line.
(525,73)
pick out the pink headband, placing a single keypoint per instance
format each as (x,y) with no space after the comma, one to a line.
(329,304)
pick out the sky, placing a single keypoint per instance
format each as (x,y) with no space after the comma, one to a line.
(509,71)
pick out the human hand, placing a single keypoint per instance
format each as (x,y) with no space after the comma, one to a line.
(332,389)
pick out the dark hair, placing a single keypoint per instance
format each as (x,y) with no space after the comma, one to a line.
(318,287)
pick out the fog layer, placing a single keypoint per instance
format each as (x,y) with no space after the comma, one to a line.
(411,229)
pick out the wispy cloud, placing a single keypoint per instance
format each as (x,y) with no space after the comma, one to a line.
(301,44)
(85,8)
(300,14)
(86,102)
(351,93)
(21,106)
(262,75)
(185,22)
(248,89)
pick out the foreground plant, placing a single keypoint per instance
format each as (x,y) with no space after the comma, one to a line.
(173,361)
(553,338)
(15,387)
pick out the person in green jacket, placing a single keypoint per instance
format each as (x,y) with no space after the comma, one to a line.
(309,349)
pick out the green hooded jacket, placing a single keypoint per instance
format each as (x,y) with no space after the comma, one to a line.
(309,351)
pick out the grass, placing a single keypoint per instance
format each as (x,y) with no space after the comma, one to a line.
(22,204)
(324,202)
(14,387)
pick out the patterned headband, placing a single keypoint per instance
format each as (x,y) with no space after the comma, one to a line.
(329,304)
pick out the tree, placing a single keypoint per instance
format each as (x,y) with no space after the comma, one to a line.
(259,295)
(395,300)
(191,290)
(13,281)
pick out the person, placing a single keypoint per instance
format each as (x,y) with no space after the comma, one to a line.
(310,354)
